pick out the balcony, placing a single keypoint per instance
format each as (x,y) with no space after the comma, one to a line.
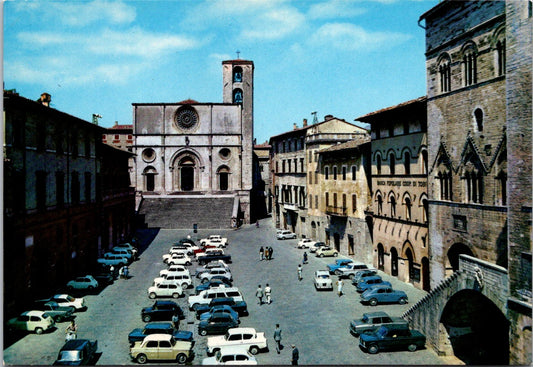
(336,210)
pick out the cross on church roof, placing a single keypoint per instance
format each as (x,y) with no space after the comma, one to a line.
(238,52)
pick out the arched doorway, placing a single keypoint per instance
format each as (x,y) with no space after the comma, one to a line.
(453,255)
(381,257)
(477,329)
(394,262)
(425,274)
(337,241)
(185,172)
(223,178)
(149,178)
(410,265)
(313,230)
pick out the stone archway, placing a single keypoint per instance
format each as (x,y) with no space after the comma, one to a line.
(454,251)
(410,265)
(477,329)
(186,170)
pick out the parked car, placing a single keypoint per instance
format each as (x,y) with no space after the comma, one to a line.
(125,252)
(217,323)
(77,352)
(218,308)
(383,294)
(238,306)
(184,280)
(178,259)
(241,336)
(139,334)
(216,242)
(214,282)
(305,243)
(161,311)
(167,288)
(174,269)
(184,241)
(206,296)
(112,259)
(210,251)
(231,355)
(326,251)
(207,276)
(369,282)
(392,338)
(214,257)
(36,321)
(372,321)
(58,313)
(210,265)
(181,249)
(85,282)
(104,278)
(349,270)
(157,347)
(322,280)
(129,246)
(66,300)
(339,263)
(214,237)
(316,246)
(284,235)
(361,274)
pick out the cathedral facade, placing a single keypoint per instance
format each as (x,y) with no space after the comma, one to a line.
(192,149)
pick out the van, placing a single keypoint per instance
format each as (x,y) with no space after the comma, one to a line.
(205,296)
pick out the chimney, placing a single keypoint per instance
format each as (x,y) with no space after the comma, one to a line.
(328,117)
(305,122)
(45,99)
(295,126)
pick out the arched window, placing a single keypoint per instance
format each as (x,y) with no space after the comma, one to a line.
(392,201)
(425,210)
(380,204)
(378,164)
(408,205)
(237,96)
(327,200)
(326,172)
(392,164)
(149,178)
(470,65)
(478,116)
(407,163)
(424,162)
(335,172)
(223,178)
(502,188)
(445,74)
(237,74)
(474,186)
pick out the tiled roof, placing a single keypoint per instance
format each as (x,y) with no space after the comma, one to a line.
(350,144)
(189,101)
(121,127)
(368,116)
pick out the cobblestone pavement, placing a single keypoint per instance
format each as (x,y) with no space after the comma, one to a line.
(317,322)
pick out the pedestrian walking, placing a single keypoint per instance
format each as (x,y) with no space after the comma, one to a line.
(266,253)
(299,272)
(176,321)
(270,252)
(305,258)
(268,292)
(295,355)
(277,338)
(259,294)
(71,331)
(340,283)
(121,272)
(261,253)
(126,271)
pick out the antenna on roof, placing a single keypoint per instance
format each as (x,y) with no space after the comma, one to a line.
(315,119)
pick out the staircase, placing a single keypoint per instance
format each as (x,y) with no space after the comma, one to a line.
(182,212)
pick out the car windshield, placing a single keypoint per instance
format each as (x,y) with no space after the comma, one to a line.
(218,355)
(69,355)
(45,315)
(365,319)
(70,298)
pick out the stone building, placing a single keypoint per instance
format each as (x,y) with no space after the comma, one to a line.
(197,157)
(343,180)
(262,204)
(54,199)
(479,64)
(120,136)
(293,155)
(399,191)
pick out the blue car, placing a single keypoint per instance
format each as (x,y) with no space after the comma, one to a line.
(383,294)
(139,334)
(215,281)
(339,263)
(220,308)
(371,281)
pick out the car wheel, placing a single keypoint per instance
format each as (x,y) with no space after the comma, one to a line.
(147,318)
(254,350)
(152,295)
(141,358)
(175,295)
(38,330)
(338,272)
(188,263)
(373,349)
(205,280)
(321,255)
(90,287)
(411,347)
(351,276)
(202,332)
(335,254)
(59,319)
(373,302)
(402,301)
(181,358)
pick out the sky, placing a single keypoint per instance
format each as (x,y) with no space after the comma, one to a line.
(344,58)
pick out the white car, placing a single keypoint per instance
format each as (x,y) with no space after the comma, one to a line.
(178,259)
(128,246)
(65,300)
(86,282)
(37,321)
(217,242)
(166,288)
(231,356)
(174,269)
(306,243)
(283,235)
(180,250)
(211,265)
(215,238)
(184,280)
(316,246)
(240,336)
(207,276)
(322,280)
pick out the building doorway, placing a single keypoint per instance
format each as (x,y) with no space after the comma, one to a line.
(394,262)
(453,255)
(381,257)
(337,241)
(425,274)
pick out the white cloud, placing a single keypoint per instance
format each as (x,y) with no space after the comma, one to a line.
(335,9)
(274,24)
(349,37)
